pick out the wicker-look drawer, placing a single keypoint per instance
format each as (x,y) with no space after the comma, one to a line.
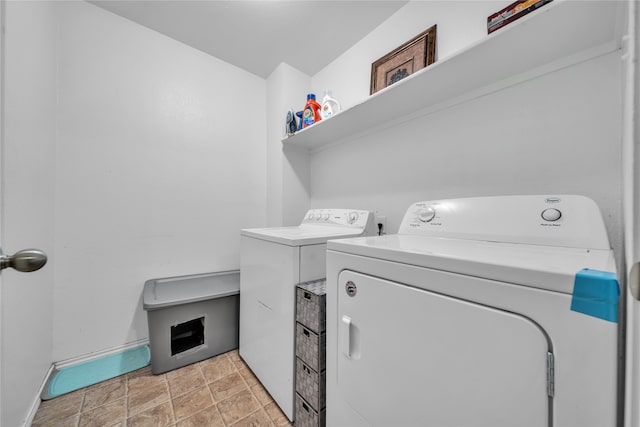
(311,305)
(311,347)
(306,416)
(310,385)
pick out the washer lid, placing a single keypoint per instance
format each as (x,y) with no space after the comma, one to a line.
(302,235)
(545,267)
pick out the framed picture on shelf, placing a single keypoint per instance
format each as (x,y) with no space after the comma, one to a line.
(412,56)
(512,12)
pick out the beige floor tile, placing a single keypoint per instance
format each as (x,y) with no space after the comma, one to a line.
(144,381)
(71,421)
(209,417)
(217,367)
(234,356)
(192,402)
(238,406)
(147,399)
(261,394)
(103,416)
(248,376)
(59,408)
(227,386)
(257,419)
(275,413)
(181,384)
(140,372)
(158,416)
(103,393)
(185,370)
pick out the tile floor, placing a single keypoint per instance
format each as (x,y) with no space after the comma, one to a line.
(221,391)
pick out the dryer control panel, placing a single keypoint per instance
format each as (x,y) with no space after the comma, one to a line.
(565,220)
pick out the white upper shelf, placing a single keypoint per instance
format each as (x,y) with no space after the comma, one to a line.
(555,32)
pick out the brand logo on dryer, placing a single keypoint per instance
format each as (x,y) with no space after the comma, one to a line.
(351,288)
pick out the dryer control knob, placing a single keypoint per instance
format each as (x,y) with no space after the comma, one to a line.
(551,214)
(426,214)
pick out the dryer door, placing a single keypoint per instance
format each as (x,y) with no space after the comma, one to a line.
(410,357)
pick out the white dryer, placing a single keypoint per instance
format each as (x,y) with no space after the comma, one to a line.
(495,311)
(272,262)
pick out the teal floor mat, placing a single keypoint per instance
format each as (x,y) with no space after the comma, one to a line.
(85,374)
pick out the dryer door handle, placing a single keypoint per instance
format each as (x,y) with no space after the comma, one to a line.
(634,281)
(346,336)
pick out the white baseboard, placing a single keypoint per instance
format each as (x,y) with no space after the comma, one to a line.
(98,354)
(36,402)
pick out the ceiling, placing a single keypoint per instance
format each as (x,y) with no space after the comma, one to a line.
(257,35)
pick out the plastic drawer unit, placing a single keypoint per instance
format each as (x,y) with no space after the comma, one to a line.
(191,318)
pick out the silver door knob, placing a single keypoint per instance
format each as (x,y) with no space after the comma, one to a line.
(26,260)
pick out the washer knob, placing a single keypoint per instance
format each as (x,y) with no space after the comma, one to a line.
(551,214)
(352,217)
(426,214)
(325,217)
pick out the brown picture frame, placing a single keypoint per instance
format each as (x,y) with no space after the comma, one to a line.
(412,56)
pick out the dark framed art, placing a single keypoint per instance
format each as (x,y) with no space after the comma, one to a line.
(412,56)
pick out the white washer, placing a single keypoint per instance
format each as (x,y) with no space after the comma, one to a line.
(477,313)
(272,262)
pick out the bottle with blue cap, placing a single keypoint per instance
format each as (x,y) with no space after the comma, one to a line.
(311,112)
(330,106)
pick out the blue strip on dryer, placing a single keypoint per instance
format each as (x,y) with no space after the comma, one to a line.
(596,294)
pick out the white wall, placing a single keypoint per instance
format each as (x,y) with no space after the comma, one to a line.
(558,133)
(27,203)
(459,24)
(160,161)
(287,169)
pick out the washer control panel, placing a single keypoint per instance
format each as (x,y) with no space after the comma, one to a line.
(344,217)
(568,220)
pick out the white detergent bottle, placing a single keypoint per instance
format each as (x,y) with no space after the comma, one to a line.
(330,106)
